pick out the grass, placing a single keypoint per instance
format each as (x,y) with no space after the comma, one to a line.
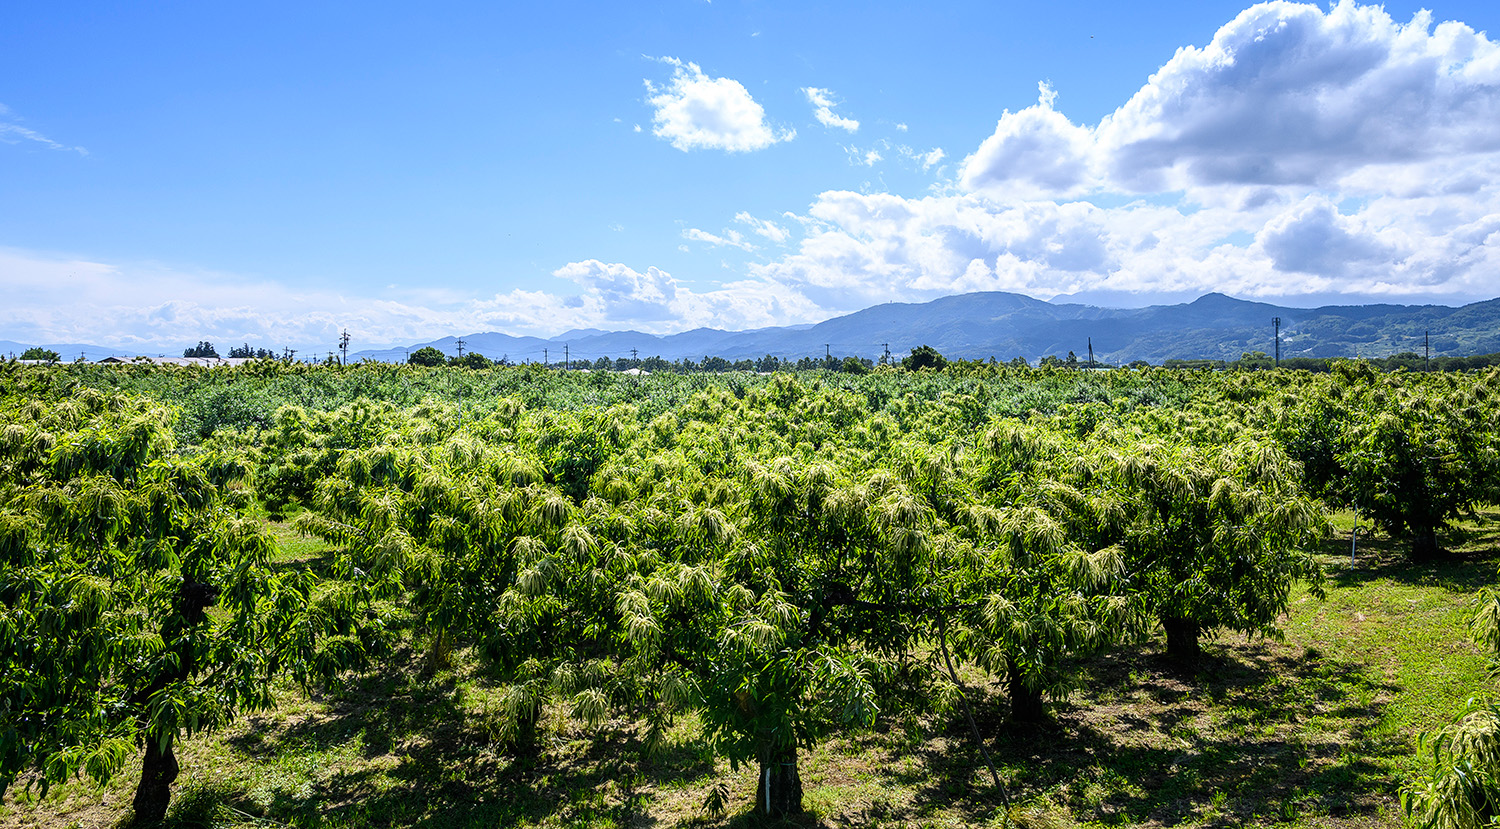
(1317,729)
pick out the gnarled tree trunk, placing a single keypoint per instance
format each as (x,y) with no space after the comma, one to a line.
(159,767)
(1424,545)
(779,792)
(1182,638)
(158,773)
(1026,707)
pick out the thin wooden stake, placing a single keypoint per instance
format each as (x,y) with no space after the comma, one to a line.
(969,713)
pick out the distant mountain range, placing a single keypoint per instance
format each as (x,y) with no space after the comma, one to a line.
(1006,325)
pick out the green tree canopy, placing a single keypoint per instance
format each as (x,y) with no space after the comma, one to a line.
(427,356)
(39,353)
(1215,536)
(113,550)
(924,356)
(473,360)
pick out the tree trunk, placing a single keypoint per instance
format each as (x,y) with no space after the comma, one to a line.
(1182,639)
(1026,707)
(158,772)
(159,767)
(1424,545)
(779,792)
(526,726)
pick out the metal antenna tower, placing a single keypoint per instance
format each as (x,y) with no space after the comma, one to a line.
(1276,321)
(460,345)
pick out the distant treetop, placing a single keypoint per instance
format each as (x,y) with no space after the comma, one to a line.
(924,356)
(39,353)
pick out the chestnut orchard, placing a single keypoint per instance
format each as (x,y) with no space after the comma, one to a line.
(786,557)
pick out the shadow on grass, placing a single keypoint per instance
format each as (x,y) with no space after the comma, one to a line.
(1257,733)
(1473,549)
(425,760)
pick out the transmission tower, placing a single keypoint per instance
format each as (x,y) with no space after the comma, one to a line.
(1276,321)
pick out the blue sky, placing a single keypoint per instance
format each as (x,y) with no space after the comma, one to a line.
(171,172)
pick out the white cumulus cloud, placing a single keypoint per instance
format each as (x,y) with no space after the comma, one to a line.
(1286,94)
(1036,152)
(696,112)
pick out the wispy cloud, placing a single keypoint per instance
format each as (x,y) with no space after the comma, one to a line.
(730,238)
(925,160)
(763,227)
(12,132)
(823,104)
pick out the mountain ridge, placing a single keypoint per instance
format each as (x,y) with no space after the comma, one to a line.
(1004,325)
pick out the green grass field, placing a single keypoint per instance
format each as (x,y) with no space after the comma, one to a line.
(1317,730)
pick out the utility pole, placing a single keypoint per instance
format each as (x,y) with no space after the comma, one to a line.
(344,348)
(1427,349)
(633,358)
(886,359)
(1091,352)
(460,345)
(544,357)
(1276,321)
(567,361)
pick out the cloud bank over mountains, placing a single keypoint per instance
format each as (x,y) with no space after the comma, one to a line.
(1302,151)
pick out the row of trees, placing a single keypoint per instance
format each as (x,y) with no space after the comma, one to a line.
(137,604)
(785,558)
(244,351)
(707,564)
(432,357)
